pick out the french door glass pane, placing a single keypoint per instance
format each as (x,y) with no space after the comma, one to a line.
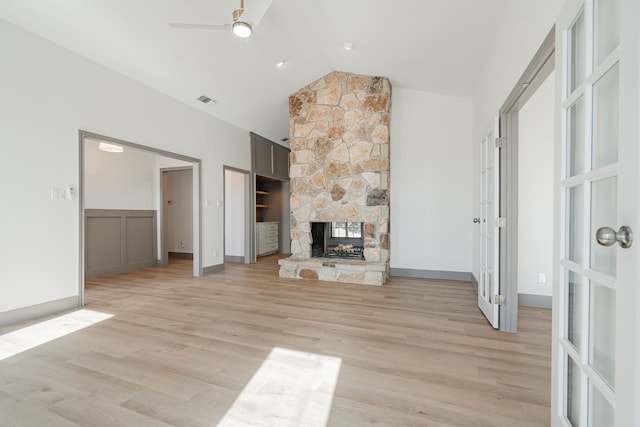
(489,220)
(490,184)
(483,152)
(604,200)
(605,119)
(484,285)
(575,152)
(574,223)
(603,332)
(577,58)
(607,31)
(602,413)
(490,241)
(574,309)
(483,249)
(485,211)
(573,392)
(490,154)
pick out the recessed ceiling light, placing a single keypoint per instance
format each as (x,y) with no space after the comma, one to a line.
(279,64)
(347,46)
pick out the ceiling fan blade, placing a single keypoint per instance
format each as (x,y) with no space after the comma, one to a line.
(184,26)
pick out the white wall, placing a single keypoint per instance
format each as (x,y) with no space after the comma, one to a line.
(536,127)
(234,202)
(431,181)
(48,94)
(119,180)
(519,36)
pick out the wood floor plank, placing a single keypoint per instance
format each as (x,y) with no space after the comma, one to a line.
(179,350)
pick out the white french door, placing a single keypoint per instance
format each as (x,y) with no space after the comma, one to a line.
(489,239)
(596,348)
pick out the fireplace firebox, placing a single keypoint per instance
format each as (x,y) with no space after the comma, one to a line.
(337,240)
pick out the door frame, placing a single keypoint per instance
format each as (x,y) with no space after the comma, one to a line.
(197,206)
(248,208)
(540,67)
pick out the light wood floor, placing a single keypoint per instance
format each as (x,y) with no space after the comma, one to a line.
(180,349)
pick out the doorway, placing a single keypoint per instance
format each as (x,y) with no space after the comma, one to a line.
(536,129)
(128,180)
(536,74)
(237,215)
(176,213)
(506,220)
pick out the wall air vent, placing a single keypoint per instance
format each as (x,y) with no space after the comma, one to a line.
(205,99)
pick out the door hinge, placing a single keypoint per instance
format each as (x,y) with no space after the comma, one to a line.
(499,299)
(501,222)
(500,142)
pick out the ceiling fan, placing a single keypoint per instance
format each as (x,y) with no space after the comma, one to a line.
(240,27)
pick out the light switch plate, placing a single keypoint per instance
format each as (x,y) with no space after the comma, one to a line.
(58,194)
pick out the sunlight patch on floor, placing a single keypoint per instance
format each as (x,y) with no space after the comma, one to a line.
(291,388)
(32,336)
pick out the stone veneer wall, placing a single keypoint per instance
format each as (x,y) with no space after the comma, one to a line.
(339,136)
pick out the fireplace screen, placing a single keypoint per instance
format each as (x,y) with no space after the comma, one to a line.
(337,240)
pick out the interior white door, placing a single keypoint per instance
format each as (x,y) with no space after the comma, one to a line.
(489,239)
(595,344)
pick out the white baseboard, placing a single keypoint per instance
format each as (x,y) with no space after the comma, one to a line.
(38,310)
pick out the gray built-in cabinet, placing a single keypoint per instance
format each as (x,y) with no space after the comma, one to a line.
(267,239)
(270,165)
(269,159)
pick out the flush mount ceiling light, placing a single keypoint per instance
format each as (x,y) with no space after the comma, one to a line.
(110,148)
(347,46)
(240,28)
(279,64)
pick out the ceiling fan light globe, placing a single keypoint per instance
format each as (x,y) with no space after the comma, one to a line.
(241,29)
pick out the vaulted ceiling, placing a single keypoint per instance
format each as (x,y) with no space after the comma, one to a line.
(428,45)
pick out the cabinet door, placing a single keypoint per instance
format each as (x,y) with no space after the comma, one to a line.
(261,154)
(259,242)
(271,237)
(280,161)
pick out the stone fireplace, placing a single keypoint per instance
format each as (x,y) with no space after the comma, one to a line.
(339,169)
